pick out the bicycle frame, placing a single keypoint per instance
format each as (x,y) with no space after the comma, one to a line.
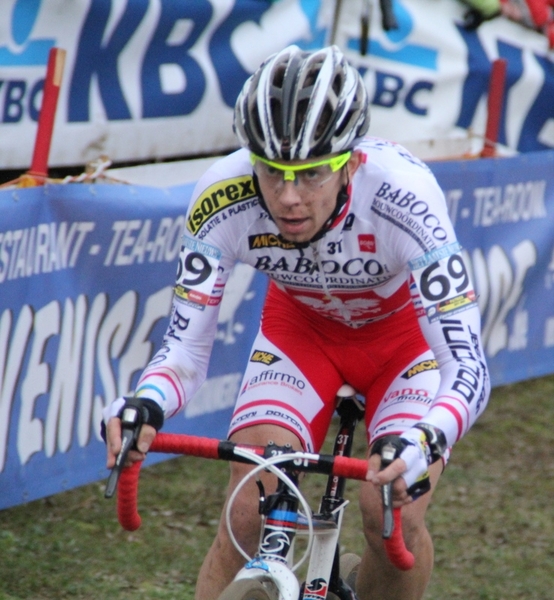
(281,525)
(281,520)
(323,569)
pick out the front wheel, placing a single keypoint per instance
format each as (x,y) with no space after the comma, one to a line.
(249,589)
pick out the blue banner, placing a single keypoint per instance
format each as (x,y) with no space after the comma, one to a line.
(86,274)
(503,212)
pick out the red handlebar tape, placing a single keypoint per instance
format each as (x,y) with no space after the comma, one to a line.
(343,466)
(190,445)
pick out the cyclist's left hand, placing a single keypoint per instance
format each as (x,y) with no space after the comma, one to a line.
(392,473)
(409,471)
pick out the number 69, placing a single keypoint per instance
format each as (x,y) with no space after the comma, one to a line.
(437,287)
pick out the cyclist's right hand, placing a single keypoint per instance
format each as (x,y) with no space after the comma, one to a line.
(150,422)
(113,442)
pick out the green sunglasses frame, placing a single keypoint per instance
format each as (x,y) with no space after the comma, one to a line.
(336,163)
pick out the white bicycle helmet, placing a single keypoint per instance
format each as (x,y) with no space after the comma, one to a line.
(302,104)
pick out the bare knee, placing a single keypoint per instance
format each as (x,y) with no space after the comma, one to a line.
(245,519)
(244,516)
(413,520)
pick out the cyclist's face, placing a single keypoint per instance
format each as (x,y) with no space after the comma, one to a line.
(300,207)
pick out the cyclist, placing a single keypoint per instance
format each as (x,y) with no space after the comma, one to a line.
(368,285)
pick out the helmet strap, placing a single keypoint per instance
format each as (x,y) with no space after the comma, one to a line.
(342,199)
(261,198)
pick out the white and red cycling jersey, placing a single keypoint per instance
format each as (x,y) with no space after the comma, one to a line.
(383,300)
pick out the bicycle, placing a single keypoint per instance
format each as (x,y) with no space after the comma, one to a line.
(270,574)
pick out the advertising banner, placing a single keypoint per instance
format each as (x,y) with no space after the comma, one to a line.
(503,212)
(144,79)
(86,275)
(86,282)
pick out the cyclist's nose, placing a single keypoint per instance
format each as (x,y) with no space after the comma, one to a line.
(289,193)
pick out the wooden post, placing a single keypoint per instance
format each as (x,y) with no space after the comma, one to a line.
(54,72)
(494,107)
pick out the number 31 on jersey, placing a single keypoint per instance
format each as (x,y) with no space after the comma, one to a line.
(443,282)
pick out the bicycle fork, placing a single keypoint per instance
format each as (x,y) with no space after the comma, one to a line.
(271,564)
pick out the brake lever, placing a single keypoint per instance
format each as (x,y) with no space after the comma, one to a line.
(131,421)
(388,454)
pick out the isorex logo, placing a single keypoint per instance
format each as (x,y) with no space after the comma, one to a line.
(217,197)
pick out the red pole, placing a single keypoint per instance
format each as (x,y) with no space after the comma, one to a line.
(494,107)
(54,72)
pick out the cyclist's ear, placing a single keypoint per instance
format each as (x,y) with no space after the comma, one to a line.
(353,163)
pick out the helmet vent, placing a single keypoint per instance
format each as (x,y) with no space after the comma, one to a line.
(301,104)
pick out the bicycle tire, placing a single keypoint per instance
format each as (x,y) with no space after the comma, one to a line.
(249,589)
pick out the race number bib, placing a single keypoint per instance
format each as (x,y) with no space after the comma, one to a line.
(443,282)
(196,273)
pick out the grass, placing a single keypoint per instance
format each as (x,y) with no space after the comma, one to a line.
(491,520)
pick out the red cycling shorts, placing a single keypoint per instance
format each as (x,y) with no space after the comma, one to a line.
(300,359)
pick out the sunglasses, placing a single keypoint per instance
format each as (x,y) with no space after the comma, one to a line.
(308,175)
